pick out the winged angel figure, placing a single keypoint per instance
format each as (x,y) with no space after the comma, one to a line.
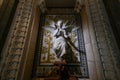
(62,44)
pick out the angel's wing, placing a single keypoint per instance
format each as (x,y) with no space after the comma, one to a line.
(52,23)
(49,29)
(71,28)
(64,25)
(75,28)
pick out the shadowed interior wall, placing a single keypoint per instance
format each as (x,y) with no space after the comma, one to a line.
(113,10)
(7,11)
(1,1)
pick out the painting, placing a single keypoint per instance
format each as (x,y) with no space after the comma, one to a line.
(61,43)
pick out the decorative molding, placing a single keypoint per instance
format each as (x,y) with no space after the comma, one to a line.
(17,40)
(42,5)
(104,37)
(78,5)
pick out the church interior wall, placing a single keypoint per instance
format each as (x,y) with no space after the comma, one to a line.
(91,33)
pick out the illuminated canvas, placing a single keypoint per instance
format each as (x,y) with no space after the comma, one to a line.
(60,39)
